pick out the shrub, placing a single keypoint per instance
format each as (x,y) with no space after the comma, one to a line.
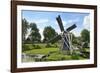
(33,45)
(63,58)
(25,47)
(75,57)
(37,47)
(55,45)
(48,46)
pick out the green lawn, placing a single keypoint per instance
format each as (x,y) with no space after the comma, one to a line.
(54,53)
(41,51)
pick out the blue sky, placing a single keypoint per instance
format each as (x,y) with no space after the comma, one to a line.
(43,18)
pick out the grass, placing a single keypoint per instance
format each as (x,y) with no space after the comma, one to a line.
(58,56)
(41,51)
(55,53)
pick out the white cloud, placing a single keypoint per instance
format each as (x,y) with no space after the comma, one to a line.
(41,33)
(64,22)
(58,31)
(39,21)
(28,33)
(86,22)
(73,21)
(68,23)
(42,21)
(76,32)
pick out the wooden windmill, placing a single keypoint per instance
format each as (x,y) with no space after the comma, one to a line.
(65,36)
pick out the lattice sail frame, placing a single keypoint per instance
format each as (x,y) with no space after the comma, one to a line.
(68,43)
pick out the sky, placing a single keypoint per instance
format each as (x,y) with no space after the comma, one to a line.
(44,18)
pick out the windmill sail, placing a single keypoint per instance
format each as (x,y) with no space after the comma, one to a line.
(71,28)
(60,23)
(56,38)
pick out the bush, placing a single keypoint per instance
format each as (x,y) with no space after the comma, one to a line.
(25,47)
(33,45)
(75,57)
(86,54)
(36,47)
(48,46)
(55,45)
(85,45)
(63,58)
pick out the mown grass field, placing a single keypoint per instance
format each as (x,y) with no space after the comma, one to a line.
(42,51)
(55,54)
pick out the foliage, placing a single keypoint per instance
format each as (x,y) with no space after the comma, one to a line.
(28,41)
(35,35)
(81,41)
(75,56)
(36,47)
(25,47)
(53,54)
(86,52)
(85,34)
(48,46)
(49,33)
(74,40)
(24,29)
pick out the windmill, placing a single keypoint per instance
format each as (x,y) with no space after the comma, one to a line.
(65,36)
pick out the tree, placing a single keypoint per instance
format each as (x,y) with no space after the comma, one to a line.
(76,41)
(35,35)
(49,33)
(25,27)
(85,35)
(73,39)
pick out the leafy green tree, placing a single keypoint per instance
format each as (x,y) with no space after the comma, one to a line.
(49,33)
(35,35)
(25,27)
(76,40)
(85,35)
